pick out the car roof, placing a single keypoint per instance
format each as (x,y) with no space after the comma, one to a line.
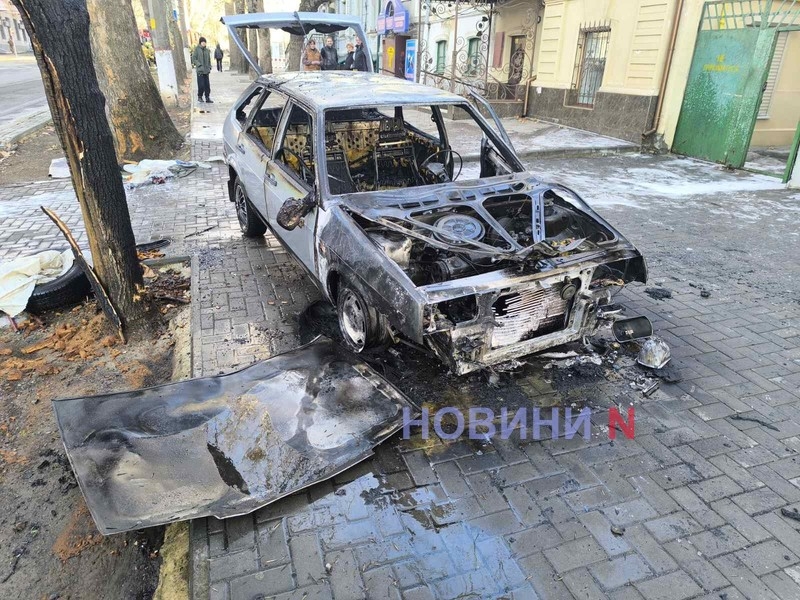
(343,89)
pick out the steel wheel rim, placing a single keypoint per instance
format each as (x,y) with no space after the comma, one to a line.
(354,321)
(241,206)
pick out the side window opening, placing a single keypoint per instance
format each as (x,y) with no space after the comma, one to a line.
(296,149)
(266,118)
(243,110)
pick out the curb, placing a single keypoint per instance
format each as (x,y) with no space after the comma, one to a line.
(38,120)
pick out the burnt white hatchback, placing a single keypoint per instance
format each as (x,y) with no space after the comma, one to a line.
(411,227)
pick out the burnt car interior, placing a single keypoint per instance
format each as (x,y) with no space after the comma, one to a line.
(372,149)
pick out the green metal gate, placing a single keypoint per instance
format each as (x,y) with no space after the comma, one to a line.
(731,61)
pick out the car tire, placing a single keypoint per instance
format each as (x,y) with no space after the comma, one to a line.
(70,288)
(362,326)
(249,221)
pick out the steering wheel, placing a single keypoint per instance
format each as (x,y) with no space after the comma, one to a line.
(305,169)
(449,151)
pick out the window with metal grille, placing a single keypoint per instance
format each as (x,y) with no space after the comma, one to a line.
(441,56)
(473,55)
(590,64)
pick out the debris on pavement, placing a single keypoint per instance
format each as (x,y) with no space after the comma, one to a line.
(762,422)
(59,169)
(658,293)
(150,171)
(224,446)
(791,514)
(617,530)
(655,353)
(19,277)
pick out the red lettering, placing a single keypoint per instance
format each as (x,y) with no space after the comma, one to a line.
(615,420)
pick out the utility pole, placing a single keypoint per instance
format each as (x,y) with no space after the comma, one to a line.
(159,31)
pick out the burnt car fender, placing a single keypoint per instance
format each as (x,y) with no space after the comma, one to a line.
(345,251)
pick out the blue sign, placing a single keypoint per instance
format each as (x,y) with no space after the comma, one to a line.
(393,18)
(411,60)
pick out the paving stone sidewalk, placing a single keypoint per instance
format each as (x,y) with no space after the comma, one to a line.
(698,492)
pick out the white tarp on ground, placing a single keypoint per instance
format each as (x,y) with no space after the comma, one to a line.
(20,276)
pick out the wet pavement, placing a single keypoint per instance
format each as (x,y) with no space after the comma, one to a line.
(696,495)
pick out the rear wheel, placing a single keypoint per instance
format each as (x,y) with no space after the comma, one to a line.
(361,325)
(249,222)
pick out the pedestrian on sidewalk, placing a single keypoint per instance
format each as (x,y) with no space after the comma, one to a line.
(218,54)
(348,60)
(312,59)
(201,61)
(330,57)
(359,57)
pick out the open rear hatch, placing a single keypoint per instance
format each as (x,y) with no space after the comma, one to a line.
(226,445)
(296,23)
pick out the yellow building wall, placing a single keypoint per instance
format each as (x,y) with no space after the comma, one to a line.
(637,42)
(515,20)
(784,112)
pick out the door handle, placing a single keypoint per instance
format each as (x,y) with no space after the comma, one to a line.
(271,179)
(240,148)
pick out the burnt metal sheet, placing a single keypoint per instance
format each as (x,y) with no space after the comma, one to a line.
(224,446)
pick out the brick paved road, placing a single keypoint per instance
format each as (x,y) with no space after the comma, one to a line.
(698,493)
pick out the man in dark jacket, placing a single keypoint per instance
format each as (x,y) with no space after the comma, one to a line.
(201,61)
(360,57)
(330,57)
(218,57)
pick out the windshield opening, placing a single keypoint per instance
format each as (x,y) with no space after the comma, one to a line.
(377,148)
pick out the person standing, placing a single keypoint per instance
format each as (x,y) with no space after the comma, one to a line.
(218,54)
(312,59)
(330,57)
(348,60)
(201,61)
(360,57)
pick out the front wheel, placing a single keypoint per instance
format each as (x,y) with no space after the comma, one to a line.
(361,325)
(249,222)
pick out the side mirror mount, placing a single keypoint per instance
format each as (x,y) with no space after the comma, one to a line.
(293,210)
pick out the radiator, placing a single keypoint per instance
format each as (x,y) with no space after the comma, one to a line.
(527,314)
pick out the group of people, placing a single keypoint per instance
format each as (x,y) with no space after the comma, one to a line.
(328,58)
(313,60)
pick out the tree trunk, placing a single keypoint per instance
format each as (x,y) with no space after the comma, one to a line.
(264,51)
(253,6)
(244,66)
(140,123)
(294,48)
(234,55)
(59,32)
(176,40)
(146,10)
(264,45)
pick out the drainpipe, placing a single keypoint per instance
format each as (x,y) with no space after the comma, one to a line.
(667,68)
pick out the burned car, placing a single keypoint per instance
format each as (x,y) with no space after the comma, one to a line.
(409,230)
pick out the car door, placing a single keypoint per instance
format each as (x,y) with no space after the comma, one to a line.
(255,147)
(287,178)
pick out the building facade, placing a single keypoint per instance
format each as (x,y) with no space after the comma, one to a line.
(13,37)
(601,63)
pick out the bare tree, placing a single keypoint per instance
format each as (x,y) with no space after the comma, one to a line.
(264,44)
(58,32)
(178,57)
(295,46)
(243,67)
(141,125)
(234,54)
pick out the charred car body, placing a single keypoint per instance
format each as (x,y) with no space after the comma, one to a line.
(358,176)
